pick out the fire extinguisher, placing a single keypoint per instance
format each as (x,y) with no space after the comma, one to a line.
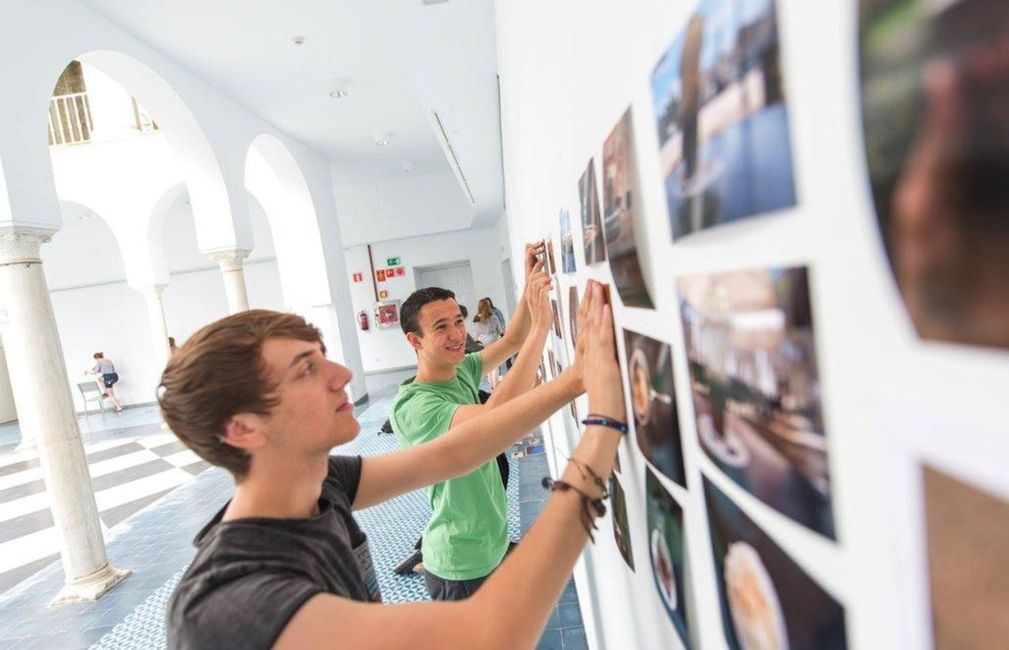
(362,320)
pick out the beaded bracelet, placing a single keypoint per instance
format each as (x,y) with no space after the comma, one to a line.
(589,504)
(603,421)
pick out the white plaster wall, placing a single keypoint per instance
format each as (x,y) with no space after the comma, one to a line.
(414,205)
(8,411)
(383,349)
(569,70)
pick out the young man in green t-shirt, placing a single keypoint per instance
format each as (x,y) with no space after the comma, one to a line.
(467,536)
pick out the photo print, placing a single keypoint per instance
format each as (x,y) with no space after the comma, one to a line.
(552,364)
(620,208)
(666,544)
(557,319)
(567,243)
(719,98)
(937,150)
(768,602)
(653,404)
(551,263)
(592,223)
(621,529)
(967,532)
(573,314)
(756,389)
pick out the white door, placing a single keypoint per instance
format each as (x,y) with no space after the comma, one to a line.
(455,276)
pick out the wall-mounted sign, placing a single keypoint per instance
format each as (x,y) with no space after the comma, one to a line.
(387,313)
(400,271)
(392,261)
(390,273)
(358,277)
(383,294)
(380,275)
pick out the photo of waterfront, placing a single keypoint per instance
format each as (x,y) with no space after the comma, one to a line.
(722,117)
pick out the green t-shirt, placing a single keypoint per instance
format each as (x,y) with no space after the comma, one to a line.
(468,533)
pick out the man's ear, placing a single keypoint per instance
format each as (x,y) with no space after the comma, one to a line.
(415,340)
(244,431)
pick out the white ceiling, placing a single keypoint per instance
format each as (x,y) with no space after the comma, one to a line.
(399,60)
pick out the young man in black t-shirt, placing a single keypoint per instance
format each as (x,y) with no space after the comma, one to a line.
(284,563)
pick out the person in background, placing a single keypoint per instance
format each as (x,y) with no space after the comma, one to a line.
(172,348)
(106,371)
(471,344)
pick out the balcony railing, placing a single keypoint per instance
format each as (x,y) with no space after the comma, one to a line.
(69,119)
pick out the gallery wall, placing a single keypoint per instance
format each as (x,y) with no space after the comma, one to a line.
(828,443)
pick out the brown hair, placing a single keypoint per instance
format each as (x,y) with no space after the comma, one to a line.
(98,355)
(483,310)
(220,372)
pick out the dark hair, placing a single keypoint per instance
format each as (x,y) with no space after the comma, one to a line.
(463,311)
(220,372)
(410,312)
(98,355)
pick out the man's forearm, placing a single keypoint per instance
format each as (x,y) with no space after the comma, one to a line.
(479,439)
(548,552)
(518,327)
(522,375)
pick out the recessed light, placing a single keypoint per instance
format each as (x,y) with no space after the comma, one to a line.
(381,139)
(338,93)
(298,40)
(407,167)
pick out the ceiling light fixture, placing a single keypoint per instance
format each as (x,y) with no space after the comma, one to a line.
(298,40)
(338,93)
(407,167)
(381,139)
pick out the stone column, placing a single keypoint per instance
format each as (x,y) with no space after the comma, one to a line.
(156,317)
(230,261)
(46,412)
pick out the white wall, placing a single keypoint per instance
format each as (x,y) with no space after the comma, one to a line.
(383,349)
(569,70)
(8,411)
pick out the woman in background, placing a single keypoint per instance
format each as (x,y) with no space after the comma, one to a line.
(487,329)
(106,370)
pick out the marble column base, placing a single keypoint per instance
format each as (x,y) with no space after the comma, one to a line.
(90,588)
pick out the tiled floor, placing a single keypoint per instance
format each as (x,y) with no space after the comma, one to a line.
(156,541)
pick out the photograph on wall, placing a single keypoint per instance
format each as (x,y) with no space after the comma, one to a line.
(723,127)
(592,223)
(935,95)
(567,243)
(653,404)
(573,313)
(551,365)
(621,529)
(557,319)
(967,534)
(666,549)
(551,265)
(767,600)
(620,211)
(756,388)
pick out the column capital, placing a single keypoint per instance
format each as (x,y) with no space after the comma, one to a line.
(20,244)
(229,259)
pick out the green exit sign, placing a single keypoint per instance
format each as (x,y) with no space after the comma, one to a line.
(392,261)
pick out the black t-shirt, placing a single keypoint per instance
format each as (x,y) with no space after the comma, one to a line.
(251,575)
